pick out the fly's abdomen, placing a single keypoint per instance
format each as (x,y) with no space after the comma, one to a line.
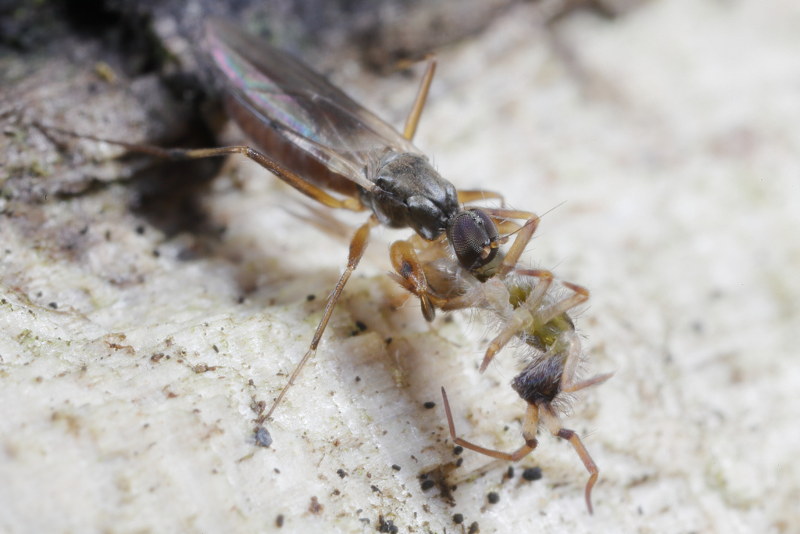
(270,141)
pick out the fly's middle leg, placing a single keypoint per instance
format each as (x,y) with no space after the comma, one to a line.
(419,102)
(357,247)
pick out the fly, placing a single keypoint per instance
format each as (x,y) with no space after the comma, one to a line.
(314,137)
(332,149)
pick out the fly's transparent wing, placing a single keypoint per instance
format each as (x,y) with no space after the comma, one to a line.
(300,104)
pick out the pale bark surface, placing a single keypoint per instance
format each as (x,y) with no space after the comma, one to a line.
(143,320)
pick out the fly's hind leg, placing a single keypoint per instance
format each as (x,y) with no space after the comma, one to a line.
(529,426)
(291,178)
(357,247)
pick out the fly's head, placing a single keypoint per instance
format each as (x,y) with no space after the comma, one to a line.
(475,241)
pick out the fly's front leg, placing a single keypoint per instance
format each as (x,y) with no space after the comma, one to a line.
(357,247)
(409,259)
(466,196)
(524,234)
(411,275)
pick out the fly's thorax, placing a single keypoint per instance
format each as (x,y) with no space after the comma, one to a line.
(410,193)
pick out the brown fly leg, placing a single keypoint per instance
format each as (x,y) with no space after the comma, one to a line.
(291,178)
(529,426)
(411,275)
(465,196)
(357,247)
(419,102)
(410,258)
(524,234)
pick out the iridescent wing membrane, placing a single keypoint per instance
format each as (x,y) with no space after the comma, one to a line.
(300,105)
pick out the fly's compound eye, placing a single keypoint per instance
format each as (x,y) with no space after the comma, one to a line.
(473,237)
